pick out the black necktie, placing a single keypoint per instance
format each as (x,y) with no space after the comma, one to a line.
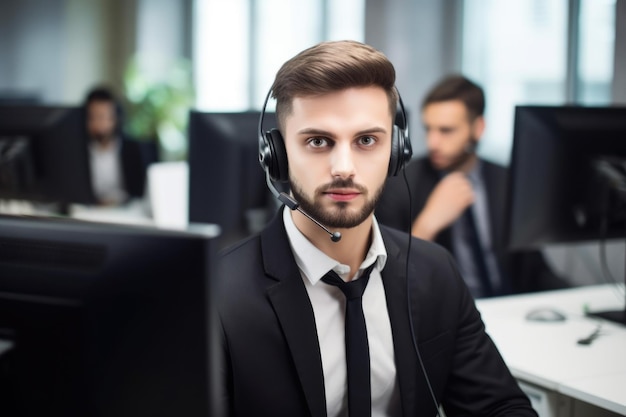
(478,254)
(357,348)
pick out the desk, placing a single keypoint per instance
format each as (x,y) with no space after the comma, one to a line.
(133,212)
(546,355)
(165,205)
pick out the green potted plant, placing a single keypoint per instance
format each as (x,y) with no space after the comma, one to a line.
(158,109)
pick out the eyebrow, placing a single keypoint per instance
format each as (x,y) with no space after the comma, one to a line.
(321,132)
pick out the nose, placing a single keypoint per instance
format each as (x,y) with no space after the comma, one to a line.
(342,161)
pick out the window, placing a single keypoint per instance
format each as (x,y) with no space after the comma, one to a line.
(517,51)
(595,57)
(221,54)
(240,44)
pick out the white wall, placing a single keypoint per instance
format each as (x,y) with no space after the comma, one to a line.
(619,63)
(161,27)
(32,46)
(420,37)
(58,49)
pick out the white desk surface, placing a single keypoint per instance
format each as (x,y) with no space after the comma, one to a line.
(606,391)
(134,212)
(547,353)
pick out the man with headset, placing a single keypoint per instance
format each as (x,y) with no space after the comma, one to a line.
(458,199)
(317,316)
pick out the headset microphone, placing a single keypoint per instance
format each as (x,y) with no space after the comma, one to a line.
(287,200)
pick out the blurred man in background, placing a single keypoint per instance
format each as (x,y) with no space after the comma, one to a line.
(118,164)
(459,199)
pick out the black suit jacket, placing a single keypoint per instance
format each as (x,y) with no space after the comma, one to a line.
(134,166)
(521,271)
(271,361)
(135,156)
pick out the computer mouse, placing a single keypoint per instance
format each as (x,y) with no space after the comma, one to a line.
(545,314)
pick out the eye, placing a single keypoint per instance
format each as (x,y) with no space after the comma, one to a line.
(367,140)
(317,142)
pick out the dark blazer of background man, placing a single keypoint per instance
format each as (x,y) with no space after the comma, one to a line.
(449,180)
(124,176)
(335,103)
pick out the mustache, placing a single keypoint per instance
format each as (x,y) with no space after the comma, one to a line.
(341,183)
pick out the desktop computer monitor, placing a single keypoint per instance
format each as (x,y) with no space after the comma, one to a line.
(559,185)
(43,154)
(226,184)
(105,320)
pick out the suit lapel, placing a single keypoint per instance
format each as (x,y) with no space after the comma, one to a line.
(394,281)
(295,314)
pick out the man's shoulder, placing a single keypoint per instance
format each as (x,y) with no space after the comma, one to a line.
(399,240)
(419,164)
(241,250)
(238,269)
(493,167)
(417,171)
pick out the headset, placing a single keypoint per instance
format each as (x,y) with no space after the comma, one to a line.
(273,159)
(273,156)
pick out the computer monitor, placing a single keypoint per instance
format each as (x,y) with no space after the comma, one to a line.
(43,154)
(226,183)
(105,320)
(559,191)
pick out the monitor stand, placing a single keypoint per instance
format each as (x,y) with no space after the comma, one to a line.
(617,316)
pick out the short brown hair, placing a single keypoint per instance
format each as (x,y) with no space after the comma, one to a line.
(458,87)
(332,66)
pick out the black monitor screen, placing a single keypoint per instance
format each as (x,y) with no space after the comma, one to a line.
(557,194)
(104,320)
(568,178)
(226,183)
(43,154)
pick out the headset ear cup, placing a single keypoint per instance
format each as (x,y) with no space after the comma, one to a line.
(394,159)
(278,165)
(401,151)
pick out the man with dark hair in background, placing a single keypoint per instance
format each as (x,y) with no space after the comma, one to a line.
(459,199)
(118,164)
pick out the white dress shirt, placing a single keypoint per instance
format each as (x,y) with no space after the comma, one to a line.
(106,172)
(329,309)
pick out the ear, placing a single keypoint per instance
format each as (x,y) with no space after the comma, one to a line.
(478,127)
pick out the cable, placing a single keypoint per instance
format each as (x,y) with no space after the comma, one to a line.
(587,340)
(408,296)
(606,272)
(614,181)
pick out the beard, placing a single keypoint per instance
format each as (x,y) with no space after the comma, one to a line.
(339,216)
(468,151)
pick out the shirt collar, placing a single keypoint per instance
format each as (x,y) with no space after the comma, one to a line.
(314,263)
